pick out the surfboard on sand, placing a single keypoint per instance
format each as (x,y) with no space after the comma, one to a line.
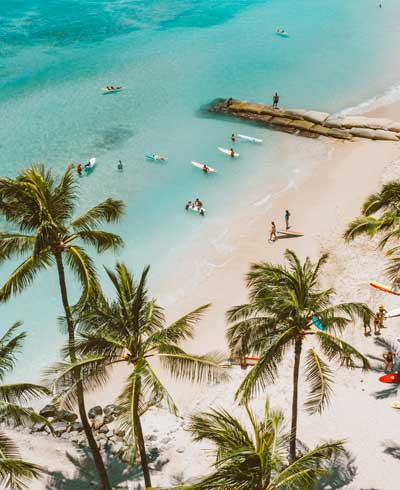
(386,289)
(390,378)
(393,313)
(290,233)
(317,322)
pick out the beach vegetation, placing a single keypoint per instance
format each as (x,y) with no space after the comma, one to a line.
(39,210)
(286,303)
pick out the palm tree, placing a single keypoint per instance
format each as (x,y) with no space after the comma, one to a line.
(256,459)
(15,473)
(285,301)
(381,216)
(131,329)
(40,208)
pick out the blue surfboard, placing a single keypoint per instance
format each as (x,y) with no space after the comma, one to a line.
(316,321)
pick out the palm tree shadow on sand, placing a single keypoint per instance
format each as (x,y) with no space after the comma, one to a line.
(393,449)
(391,390)
(85,476)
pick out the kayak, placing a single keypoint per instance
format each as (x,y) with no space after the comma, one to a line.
(227,152)
(387,289)
(155,157)
(282,32)
(201,166)
(249,138)
(112,91)
(393,313)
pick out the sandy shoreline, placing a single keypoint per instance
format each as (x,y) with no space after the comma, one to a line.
(321,205)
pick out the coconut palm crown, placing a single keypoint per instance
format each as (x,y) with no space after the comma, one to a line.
(131,329)
(15,473)
(39,209)
(380,215)
(284,302)
(256,459)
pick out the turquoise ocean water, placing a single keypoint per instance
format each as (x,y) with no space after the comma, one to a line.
(172,56)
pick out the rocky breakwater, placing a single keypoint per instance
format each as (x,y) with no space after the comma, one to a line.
(109,435)
(311,124)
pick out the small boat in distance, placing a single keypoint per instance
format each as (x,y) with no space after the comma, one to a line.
(111,89)
(281,32)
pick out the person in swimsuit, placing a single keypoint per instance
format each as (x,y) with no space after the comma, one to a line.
(275,101)
(120,166)
(233,138)
(287,216)
(232,152)
(205,169)
(272,235)
(188,204)
(389,361)
(79,169)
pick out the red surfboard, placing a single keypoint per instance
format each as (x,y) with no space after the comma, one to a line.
(390,378)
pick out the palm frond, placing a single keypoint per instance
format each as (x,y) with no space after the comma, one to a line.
(83,267)
(15,245)
(342,352)
(108,211)
(101,240)
(320,377)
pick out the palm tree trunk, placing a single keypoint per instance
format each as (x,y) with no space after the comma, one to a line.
(139,436)
(105,484)
(293,430)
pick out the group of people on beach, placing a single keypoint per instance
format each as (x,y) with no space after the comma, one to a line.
(378,320)
(196,205)
(273,236)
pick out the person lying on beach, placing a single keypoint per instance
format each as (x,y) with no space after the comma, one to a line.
(272,235)
(389,361)
(205,169)
(232,152)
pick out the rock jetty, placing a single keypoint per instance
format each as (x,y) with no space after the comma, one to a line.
(311,124)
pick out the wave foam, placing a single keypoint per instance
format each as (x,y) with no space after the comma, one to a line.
(391,95)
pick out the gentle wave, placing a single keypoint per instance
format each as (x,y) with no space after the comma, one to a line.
(391,95)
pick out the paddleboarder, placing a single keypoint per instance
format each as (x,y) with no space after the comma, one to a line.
(232,153)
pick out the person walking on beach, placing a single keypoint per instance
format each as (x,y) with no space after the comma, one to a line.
(272,235)
(389,361)
(275,101)
(287,216)
(367,325)
(376,324)
(381,316)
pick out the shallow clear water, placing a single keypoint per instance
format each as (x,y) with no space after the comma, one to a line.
(172,56)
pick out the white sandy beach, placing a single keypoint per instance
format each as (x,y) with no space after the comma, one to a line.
(320,206)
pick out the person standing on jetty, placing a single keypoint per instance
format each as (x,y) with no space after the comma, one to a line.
(287,216)
(272,235)
(275,101)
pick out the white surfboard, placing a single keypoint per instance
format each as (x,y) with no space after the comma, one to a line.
(249,138)
(227,152)
(201,166)
(196,209)
(393,313)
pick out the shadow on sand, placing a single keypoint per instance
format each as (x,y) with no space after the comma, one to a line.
(85,476)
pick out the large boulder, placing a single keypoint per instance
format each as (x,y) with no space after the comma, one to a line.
(98,422)
(386,135)
(394,126)
(374,134)
(38,427)
(331,132)
(109,409)
(104,429)
(97,410)
(60,427)
(77,426)
(48,411)
(316,117)
(65,416)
